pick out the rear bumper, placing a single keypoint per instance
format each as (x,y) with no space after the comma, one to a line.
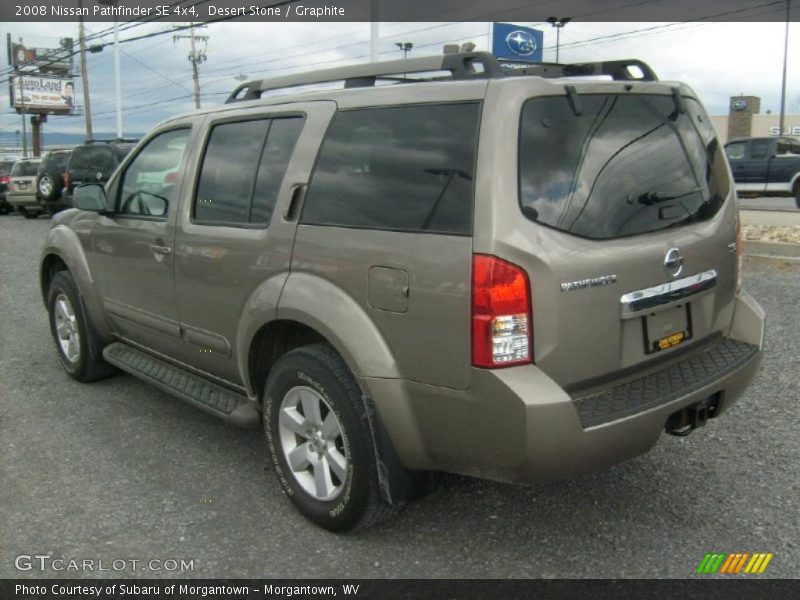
(24,200)
(517,425)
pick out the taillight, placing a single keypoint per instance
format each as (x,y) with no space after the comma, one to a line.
(67,180)
(5,179)
(501,313)
(739,253)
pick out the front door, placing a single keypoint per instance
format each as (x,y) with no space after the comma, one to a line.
(131,252)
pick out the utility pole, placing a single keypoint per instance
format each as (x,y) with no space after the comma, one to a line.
(87,105)
(196,57)
(785,58)
(558,24)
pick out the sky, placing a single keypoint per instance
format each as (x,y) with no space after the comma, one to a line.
(717,60)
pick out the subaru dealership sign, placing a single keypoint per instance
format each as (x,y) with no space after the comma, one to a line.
(515,43)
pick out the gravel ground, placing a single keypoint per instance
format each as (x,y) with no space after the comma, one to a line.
(764,233)
(118,470)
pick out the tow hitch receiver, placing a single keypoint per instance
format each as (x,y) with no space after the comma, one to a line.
(686,420)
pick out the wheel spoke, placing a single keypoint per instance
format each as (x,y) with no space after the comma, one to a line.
(299,458)
(322,477)
(311,408)
(337,462)
(330,426)
(62,328)
(61,310)
(294,421)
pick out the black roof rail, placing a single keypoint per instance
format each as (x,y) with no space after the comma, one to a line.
(468,65)
(111,141)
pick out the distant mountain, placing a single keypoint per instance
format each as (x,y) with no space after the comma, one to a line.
(8,139)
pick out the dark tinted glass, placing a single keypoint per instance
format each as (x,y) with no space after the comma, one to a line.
(25,168)
(228,171)
(55,162)
(5,167)
(87,162)
(402,168)
(626,165)
(283,134)
(759,149)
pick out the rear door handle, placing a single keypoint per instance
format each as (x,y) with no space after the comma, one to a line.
(293,209)
(165,250)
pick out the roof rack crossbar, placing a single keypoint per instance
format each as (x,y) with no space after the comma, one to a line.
(619,70)
(469,65)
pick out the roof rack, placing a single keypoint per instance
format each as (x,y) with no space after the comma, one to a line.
(468,65)
(112,141)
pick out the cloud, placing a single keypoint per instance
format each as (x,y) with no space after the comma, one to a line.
(717,59)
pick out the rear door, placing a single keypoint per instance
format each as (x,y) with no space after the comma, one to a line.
(618,205)
(757,164)
(232,236)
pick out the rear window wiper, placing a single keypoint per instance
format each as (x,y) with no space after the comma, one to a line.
(654,197)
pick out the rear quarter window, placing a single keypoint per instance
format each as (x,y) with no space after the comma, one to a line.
(403,168)
(25,169)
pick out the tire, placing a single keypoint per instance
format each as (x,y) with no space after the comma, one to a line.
(50,185)
(27,213)
(348,497)
(79,347)
(797,194)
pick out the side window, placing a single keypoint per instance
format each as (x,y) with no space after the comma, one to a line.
(407,168)
(148,184)
(282,137)
(229,168)
(242,170)
(759,150)
(735,151)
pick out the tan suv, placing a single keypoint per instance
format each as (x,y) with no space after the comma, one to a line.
(507,274)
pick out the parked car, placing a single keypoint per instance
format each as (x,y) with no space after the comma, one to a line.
(506,274)
(5,177)
(765,166)
(93,162)
(50,181)
(22,188)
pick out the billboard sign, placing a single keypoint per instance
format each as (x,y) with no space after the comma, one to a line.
(26,59)
(516,44)
(34,93)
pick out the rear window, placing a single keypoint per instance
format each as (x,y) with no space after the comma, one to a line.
(625,165)
(87,162)
(26,168)
(406,168)
(55,162)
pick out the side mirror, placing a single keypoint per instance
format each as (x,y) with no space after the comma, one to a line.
(90,196)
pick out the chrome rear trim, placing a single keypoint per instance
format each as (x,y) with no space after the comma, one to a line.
(647,299)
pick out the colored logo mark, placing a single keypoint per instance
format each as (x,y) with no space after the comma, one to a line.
(736,563)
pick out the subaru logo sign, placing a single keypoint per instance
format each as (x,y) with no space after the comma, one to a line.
(517,44)
(521,43)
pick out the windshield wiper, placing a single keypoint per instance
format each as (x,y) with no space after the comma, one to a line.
(654,197)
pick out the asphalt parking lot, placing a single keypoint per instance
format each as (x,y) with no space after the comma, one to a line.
(118,470)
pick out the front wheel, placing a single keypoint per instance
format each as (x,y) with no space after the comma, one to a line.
(320,441)
(797,194)
(79,347)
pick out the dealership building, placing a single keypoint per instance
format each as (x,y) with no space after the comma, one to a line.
(744,119)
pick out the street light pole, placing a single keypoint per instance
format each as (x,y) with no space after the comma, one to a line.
(785,59)
(117,79)
(558,24)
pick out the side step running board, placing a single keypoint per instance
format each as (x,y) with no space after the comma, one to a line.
(214,399)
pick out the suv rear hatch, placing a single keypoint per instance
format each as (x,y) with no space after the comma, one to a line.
(622,218)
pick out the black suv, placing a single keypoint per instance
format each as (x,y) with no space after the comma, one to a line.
(93,162)
(50,179)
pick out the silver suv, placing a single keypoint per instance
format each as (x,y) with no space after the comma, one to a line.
(508,274)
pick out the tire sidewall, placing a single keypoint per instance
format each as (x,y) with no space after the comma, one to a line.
(344,511)
(54,186)
(64,284)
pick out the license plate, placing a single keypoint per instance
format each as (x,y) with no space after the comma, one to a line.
(22,186)
(667,328)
